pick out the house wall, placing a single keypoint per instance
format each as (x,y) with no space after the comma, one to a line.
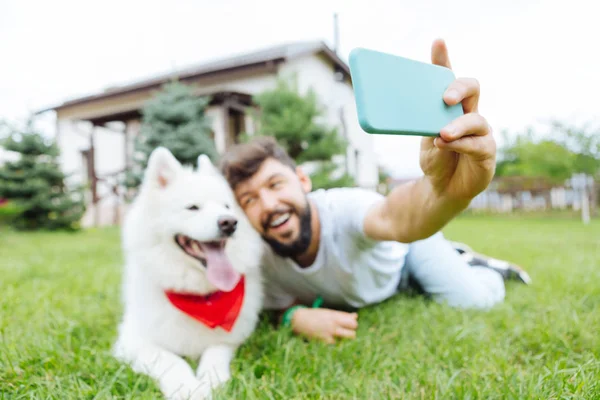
(73,138)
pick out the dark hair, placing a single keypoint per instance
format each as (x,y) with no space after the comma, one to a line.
(241,161)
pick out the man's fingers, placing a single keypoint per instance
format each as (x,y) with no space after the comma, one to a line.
(465,90)
(345,333)
(477,147)
(439,53)
(465,125)
(347,320)
(329,339)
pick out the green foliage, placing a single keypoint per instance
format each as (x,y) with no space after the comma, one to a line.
(34,184)
(554,156)
(324,177)
(294,120)
(584,142)
(175,118)
(8,211)
(543,158)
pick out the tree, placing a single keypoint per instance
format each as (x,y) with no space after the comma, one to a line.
(294,120)
(555,156)
(34,184)
(175,118)
(584,142)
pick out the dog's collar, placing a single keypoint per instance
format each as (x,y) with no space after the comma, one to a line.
(216,309)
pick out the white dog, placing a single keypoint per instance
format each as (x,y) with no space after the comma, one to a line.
(192,284)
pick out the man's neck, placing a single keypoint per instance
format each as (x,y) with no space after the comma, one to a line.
(307,258)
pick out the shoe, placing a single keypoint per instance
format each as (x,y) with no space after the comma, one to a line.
(504,268)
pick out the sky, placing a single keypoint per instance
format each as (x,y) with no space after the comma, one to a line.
(535,60)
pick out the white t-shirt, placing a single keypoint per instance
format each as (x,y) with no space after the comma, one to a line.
(350,270)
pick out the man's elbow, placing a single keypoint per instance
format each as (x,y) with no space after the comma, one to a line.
(411,235)
(414,230)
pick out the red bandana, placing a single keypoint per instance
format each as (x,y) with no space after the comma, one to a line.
(216,309)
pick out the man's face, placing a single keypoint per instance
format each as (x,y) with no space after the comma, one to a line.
(274,200)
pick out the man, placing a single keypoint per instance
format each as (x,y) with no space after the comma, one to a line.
(351,247)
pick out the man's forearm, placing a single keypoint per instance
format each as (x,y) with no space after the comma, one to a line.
(415,211)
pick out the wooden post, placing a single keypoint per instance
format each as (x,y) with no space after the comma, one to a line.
(580,183)
(93,176)
(585,207)
(127,143)
(345,136)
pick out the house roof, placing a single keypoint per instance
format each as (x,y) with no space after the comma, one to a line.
(280,53)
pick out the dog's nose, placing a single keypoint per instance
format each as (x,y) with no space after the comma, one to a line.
(227,225)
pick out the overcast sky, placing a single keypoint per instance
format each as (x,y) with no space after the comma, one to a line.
(535,60)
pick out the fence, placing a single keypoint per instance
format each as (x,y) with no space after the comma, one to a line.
(511,194)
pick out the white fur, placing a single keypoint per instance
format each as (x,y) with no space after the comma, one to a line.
(153,334)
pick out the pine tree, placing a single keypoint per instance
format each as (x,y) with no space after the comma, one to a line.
(175,118)
(35,185)
(293,119)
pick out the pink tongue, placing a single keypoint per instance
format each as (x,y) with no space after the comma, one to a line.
(219,270)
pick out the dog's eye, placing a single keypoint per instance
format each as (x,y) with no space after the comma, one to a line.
(193,208)
(227,206)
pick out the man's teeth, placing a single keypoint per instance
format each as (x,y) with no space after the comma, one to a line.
(280,220)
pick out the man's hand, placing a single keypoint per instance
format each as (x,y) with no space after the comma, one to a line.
(461,162)
(324,324)
(458,165)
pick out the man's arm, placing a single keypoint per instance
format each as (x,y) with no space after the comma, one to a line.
(314,323)
(324,324)
(410,212)
(458,165)
(321,324)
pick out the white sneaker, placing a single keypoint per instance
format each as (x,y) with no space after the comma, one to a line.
(504,268)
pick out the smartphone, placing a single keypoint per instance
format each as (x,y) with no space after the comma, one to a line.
(399,96)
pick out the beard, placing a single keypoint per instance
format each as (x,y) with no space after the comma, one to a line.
(298,246)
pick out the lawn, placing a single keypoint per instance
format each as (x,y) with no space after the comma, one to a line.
(60,306)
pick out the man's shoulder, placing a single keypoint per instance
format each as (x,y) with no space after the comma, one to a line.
(344,209)
(351,195)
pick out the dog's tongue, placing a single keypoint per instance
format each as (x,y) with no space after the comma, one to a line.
(219,270)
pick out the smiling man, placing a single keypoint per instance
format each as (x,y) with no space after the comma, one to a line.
(352,247)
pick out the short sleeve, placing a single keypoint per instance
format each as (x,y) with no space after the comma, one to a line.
(350,206)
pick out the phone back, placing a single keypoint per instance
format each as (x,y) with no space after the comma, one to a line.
(396,95)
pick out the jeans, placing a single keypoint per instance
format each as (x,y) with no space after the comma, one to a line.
(435,268)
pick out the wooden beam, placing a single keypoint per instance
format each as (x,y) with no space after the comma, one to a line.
(93,176)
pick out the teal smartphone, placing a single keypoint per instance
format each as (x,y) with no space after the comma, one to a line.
(399,96)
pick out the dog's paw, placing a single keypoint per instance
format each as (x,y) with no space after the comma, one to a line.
(211,380)
(191,389)
(213,377)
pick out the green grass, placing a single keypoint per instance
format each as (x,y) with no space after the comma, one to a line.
(60,304)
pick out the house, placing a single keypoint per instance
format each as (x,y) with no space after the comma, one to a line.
(95,133)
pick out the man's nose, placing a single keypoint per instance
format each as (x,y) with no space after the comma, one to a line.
(268,201)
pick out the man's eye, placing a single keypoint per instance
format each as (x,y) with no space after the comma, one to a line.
(193,207)
(275,184)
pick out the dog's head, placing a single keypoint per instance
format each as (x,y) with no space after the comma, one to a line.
(197,212)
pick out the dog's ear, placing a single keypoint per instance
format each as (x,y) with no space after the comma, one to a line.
(204,164)
(163,167)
